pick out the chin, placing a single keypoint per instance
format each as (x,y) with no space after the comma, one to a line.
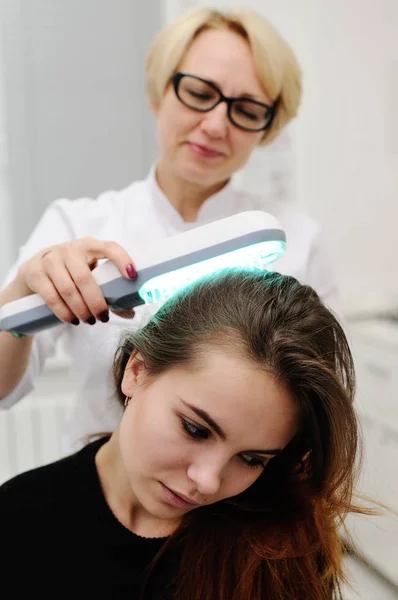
(204,177)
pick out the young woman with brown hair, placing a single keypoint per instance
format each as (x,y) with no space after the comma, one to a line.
(231,470)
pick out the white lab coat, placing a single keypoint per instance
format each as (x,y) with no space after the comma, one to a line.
(134,217)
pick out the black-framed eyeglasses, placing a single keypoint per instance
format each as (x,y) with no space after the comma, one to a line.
(202,95)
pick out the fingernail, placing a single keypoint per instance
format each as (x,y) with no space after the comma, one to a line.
(75,321)
(104,316)
(131,272)
(91,320)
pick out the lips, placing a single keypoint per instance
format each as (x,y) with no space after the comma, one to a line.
(204,151)
(177,499)
(185,498)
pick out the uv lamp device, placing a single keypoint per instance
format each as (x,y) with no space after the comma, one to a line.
(251,239)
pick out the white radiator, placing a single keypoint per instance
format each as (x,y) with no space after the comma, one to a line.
(375,348)
(30,434)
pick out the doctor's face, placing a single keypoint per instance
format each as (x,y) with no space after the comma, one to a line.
(205,148)
(192,437)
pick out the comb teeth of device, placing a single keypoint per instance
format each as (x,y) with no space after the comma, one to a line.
(257,256)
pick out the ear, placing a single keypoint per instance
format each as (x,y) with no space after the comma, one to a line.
(133,374)
(154,108)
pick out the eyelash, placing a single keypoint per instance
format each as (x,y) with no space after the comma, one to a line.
(201,433)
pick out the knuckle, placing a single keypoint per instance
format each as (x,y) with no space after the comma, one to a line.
(51,299)
(86,241)
(111,246)
(48,259)
(35,274)
(82,279)
(67,290)
(64,248)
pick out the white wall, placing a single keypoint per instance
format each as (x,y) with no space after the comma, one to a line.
(346,137)
(348,177)
(171,9)
(5,230)
(77,118)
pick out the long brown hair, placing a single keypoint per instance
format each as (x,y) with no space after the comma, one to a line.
(280,539)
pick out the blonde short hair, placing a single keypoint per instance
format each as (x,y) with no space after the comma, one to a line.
(275,63)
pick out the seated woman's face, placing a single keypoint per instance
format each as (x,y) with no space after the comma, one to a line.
(223,58)
(193,437)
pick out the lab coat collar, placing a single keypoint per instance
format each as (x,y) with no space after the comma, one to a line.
(217,206)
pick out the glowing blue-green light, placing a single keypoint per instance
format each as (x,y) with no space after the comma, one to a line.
(257,256)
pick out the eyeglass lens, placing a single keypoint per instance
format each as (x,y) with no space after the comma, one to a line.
(201,96)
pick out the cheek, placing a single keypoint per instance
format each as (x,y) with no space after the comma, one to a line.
(174,120)
(154,440)
(139,434)
(238,479)
(243,144)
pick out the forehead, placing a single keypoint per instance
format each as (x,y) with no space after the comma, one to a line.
(225,58)
(249,404)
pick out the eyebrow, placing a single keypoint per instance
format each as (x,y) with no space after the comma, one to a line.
(251,97)
(273,451)
(243,95)
(207,418)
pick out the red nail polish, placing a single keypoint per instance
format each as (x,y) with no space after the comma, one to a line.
(131,272)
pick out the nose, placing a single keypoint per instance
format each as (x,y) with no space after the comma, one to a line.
(206,473)
(215,122)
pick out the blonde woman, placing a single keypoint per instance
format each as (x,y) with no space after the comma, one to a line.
(219,85)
